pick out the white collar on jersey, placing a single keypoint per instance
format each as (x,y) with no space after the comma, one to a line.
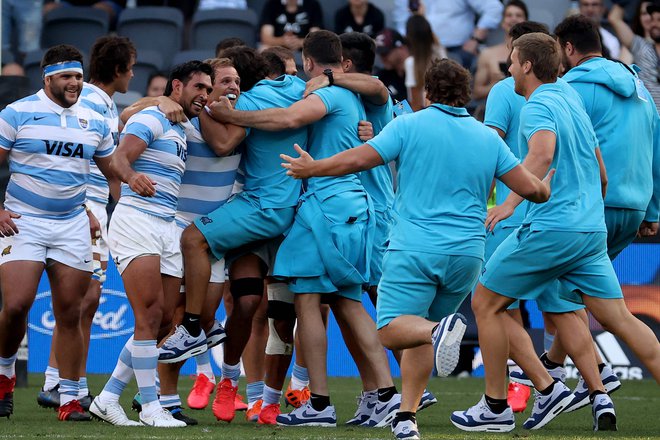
(99,91)
(54,107)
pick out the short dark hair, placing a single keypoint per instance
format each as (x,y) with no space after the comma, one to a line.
(276,65)
(581,32)
(518,4)
(324,47)
(109,54)
(61,53)
(249,64)
(527,27)
(447,82)
(227,43)
(183,72)
(543,52)
(360,48)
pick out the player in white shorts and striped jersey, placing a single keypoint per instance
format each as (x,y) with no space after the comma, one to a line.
(111,64)
(207,184)
(150,160)
(49,139)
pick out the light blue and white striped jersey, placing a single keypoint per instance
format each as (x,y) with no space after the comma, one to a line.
(208,181)
(50,148)
(164,161)
(99,101)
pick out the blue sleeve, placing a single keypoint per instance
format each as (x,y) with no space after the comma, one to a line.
(536,117)
(506,160)
(144,126)
(8,127)
(327,97)
(653,209)
(498,109)
(389,142)
(379,115)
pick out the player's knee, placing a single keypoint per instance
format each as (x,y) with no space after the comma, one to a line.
(247,291)
(279,343)
(15,308)
(192,240)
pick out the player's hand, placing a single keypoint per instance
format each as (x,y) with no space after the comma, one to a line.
(7,225)
(365,130)
(94,225)
(142,185)
(300,167)
(173,111)
(316,83)
(471,46)
(221,109)
(497,214)
(648,229)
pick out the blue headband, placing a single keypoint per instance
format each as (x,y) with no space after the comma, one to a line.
(64,66)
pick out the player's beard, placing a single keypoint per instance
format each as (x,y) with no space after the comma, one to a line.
(60,95)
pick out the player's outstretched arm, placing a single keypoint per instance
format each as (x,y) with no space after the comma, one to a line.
(173,111)
(370,88)
(349,161)
(222,138)
(301,113)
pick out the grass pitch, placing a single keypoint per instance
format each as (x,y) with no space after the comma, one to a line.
(637,405)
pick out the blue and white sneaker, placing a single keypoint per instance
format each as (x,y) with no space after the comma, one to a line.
(481,418)
(447,343)
(548,407)
(427,400)
(581,392)
(181,346)
(216,335)
(366,404)
(519,376)
(384,413)
(405,430)
(306,415)
(603,411)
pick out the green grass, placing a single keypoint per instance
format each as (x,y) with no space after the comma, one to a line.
(637,404)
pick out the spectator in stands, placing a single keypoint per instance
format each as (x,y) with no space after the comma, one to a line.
(424,49)
(393,51)
(21,19)
(227,43)
(641,24)
(112,7)
(492,63)
(359,16)
(454,23)
(156,84)
(595,10)
(287,22)
(284,54)
(218,4)
(645,52)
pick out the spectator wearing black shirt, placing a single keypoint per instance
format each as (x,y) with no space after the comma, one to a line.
(393,51)
(359,16)
(287,22)
(112,7)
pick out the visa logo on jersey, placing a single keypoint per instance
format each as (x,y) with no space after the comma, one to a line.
(66,149)
(113,317)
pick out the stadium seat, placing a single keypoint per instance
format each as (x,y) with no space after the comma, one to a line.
(211,26)
(156,28)
(548,12)
(495,37)
(32,67)
(148,62)
(190,55)
(124,100)
(330,8)
(78,26)
(257,6)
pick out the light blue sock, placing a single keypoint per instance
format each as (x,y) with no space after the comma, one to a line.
(548,339)
(232,372)
(255,391)
(271,395)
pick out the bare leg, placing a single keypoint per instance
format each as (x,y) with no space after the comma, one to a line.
(197,268)
(416,367)
(313,340)
(615,317)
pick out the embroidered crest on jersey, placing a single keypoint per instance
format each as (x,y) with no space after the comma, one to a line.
(83,123)
(6,251)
